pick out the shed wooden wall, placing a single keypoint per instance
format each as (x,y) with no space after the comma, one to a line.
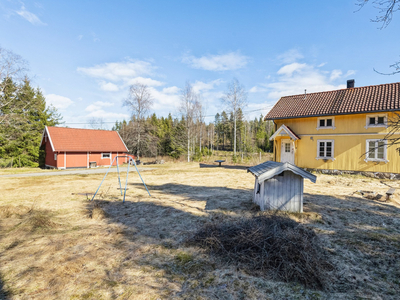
(280,192)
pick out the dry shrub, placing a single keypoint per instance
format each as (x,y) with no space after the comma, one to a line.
(271,245)
(8,211)
(39,219)
(96,212)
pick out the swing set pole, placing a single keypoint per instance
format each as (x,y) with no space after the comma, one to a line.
(119,180)
(103,179)
(141,178)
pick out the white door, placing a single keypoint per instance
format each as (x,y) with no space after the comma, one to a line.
(287,151)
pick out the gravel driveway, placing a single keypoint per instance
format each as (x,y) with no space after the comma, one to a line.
(76,171)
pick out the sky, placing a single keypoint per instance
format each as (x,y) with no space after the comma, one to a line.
(84,55)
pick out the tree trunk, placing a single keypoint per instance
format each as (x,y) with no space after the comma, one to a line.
(234,135)
(138,141)
(188,146)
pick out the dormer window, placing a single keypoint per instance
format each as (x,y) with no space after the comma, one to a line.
(326,123)
(376,121)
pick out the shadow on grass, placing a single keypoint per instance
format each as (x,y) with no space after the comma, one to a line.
(3,293)
(363,233)
(216,197)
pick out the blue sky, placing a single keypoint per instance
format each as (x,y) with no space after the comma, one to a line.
(85,54)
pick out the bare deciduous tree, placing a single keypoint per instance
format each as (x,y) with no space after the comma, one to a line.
(139,102)
(235,98)
(12,68)
(96,123)
(386,9)
(187,108)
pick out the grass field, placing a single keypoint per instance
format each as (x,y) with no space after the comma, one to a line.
(55,244)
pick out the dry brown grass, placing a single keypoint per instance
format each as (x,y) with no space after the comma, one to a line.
(56,245)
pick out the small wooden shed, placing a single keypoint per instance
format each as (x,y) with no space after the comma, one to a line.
(279,186)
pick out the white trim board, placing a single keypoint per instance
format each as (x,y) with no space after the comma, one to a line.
(348,134)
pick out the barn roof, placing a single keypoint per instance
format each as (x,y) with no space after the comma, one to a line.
(269,169)
(84,140)
(373,98)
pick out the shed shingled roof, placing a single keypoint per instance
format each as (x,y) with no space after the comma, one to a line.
(91,140)
(373,98)
(269,169)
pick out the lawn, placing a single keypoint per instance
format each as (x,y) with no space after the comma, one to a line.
(56,244)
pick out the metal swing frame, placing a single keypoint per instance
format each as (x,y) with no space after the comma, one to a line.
(119,179)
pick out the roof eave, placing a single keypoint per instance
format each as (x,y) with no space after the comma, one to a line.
(327,115)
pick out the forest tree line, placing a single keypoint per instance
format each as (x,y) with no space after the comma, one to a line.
(189,134)
(167,136)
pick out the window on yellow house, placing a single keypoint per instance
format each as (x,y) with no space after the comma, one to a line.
(376,121)
(325,149)
(326,123)
(376,150)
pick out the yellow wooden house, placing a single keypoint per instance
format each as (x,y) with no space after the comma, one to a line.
(338,130)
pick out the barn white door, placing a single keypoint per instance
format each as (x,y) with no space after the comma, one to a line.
(287,151)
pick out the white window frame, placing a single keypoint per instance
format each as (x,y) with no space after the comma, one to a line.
(55,156)
(333,149)
(375,159)
(326,127)
(385,122)
(108,155)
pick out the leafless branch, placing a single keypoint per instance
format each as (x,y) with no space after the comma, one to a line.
(139,101)
(386,9)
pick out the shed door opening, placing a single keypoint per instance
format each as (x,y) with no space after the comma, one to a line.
(287,151)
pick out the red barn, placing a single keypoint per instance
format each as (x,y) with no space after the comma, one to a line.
(81,148)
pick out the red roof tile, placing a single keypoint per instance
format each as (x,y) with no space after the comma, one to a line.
(72,139)
(375,98)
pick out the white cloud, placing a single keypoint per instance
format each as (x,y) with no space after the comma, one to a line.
(295,78)
(108,86)
(222,62)
(101,109)
(98,105)
(171,90)
(291,68)
(166,100)
(59,102)
(115,76)
(119,75)
(349,73)
(335,74)
(146,81)
(200,86)
(290,56)
(79,37)
(119,71)
(106,115)
(30,17)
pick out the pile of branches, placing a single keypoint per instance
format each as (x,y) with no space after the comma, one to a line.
(272,245)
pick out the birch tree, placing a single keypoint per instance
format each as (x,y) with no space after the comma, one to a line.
(235,98)
(139,101)
(187,108)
